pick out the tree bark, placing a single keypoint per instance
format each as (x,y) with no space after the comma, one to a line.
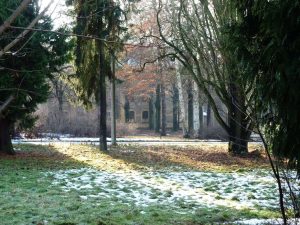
(126,109)
(181,101)
(175,99)
(113,105)
(201,126)
(102,99)
(239,133)
(157,109)
(151,114)
(196,110)
(190,109)
(163,111)
(5,138)
(208,116)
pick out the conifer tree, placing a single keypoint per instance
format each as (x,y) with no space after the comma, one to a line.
(25,70)
(100,19)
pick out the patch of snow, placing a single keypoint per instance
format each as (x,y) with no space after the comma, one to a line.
(264,222)
(194,189)
(83,197)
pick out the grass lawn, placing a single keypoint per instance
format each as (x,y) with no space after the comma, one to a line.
(76,184)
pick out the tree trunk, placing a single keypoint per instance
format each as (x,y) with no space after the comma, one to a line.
(190,109)
(181,102)
(201,126)
(60,95)
(157,109)
(151,114)
(238,138)
(238,123)
(113,104)
(208,116)
(196,106)
(126,109)
(163,111)
(175,108)
(5,138)
(102,99)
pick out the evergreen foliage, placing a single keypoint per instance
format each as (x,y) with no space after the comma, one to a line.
(100,19)
(26,69)
(266,40)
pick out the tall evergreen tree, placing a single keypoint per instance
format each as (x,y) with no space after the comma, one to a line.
(101,19)
(24,71)
(266,41)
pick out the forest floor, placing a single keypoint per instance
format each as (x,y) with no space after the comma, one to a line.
(77,184)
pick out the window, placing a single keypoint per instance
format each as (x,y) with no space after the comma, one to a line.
(145,115)
(131,116)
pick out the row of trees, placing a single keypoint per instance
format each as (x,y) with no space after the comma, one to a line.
(247,54)
(202,37)
(244,52)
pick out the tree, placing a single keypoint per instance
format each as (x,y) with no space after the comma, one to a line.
(266,46)
(25,71)
(192,30)
(93,57)
(6,24)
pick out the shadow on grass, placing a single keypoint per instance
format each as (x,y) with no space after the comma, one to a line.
(189,158)
(30,156)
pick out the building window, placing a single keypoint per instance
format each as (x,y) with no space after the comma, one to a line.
(145,115)
(131,116)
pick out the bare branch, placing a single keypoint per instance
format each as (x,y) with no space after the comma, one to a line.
(25,32)
(14,15)
(6,103)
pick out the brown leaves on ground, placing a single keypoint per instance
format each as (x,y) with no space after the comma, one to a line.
(202,156)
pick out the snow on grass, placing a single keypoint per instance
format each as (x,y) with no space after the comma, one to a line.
(180,189)
(264,221)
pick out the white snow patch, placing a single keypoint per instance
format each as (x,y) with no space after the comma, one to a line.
(264,222)
(192,189)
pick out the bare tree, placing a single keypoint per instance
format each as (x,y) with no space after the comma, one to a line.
(191,30)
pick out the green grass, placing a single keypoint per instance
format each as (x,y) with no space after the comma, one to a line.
(28,197)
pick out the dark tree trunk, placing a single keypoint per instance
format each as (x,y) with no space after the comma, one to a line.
(200,131)
(151,114)
(190,109)
(157,109)
(126,109)
(239,132)
(238,138)
(60,95)
(113,105)
(175,108)
(102,99)
(5,138)
(208,116)
(163,111)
